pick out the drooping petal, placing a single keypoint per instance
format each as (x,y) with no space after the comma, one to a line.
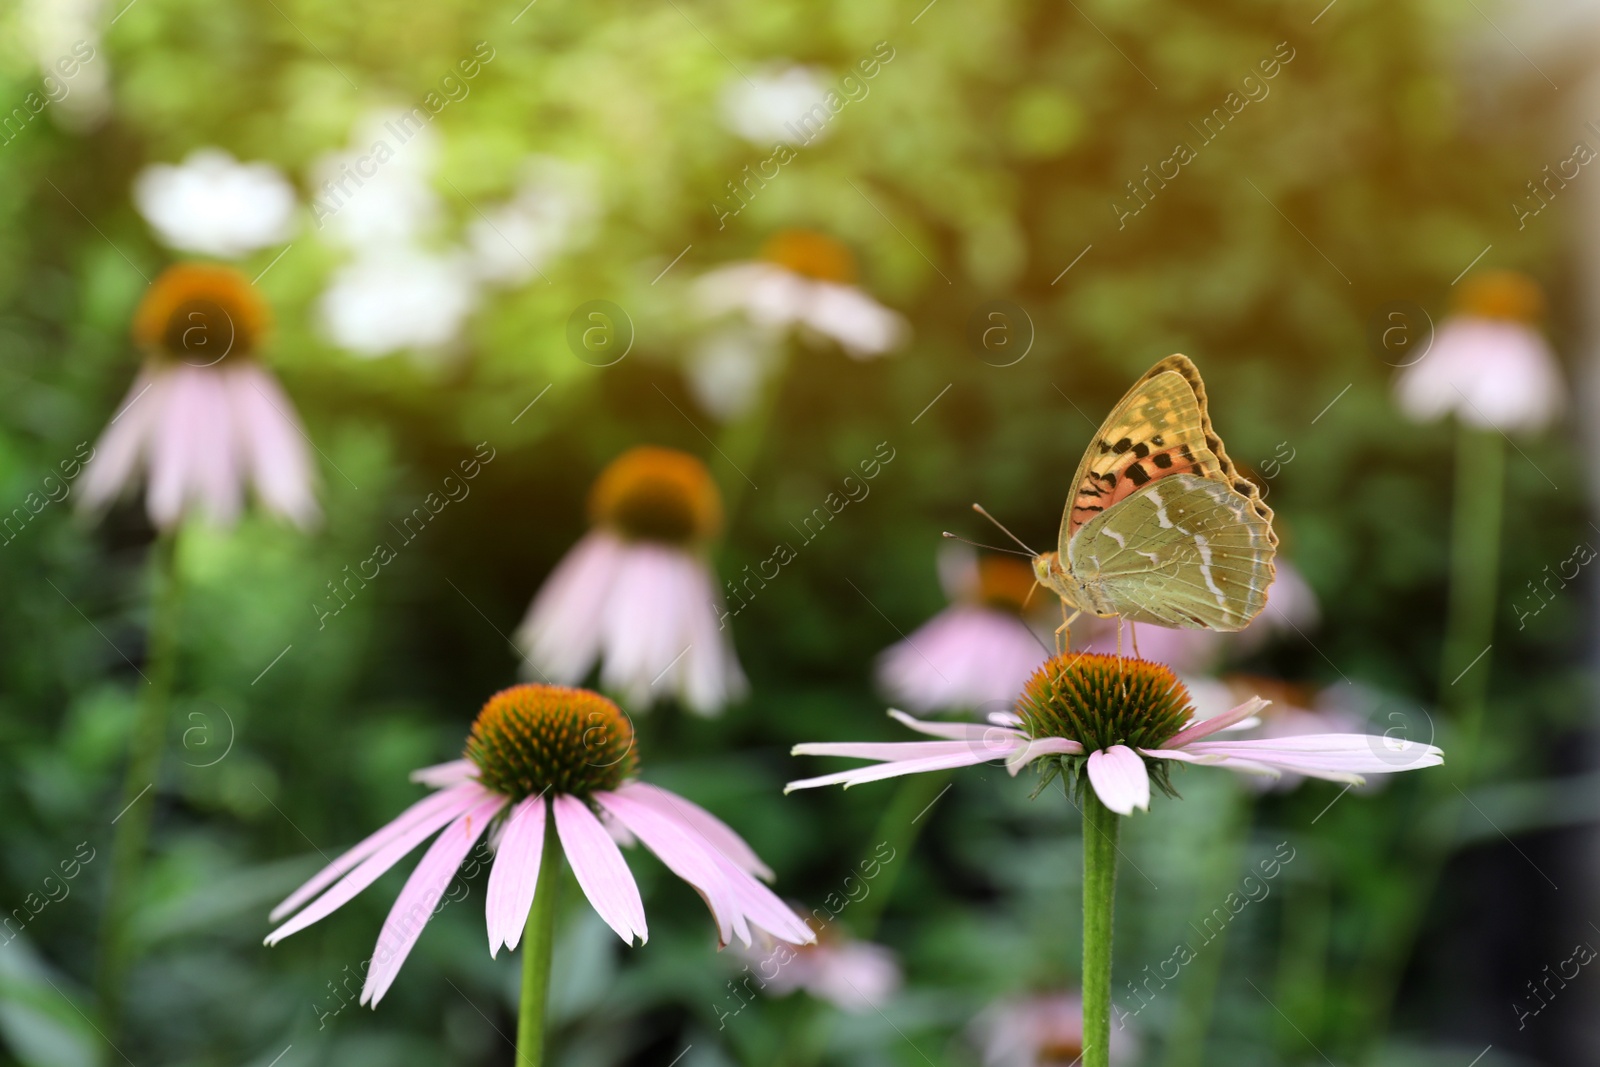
(890,751)
(413,824)
(175,447)
(685,856)
(711,676)
(421,894)
(1206,727)
(273,444)
(1119,779)
(600,869)
(660,633)
(113,464)
(561,633)
(720,835)
(515,874)
(217,465)
(971,757)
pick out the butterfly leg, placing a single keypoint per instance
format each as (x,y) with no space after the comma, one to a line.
(1064,631)
(1133,631)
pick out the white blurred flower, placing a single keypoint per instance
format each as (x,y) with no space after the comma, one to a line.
(1489,364)
(803,280)
(215,205)
(402,298)
(65,36)
(768,107)
(553,210)
(728,368)
(376,193)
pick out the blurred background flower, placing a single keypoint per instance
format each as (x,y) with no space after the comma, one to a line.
(804,280)
(216,206)
(636,593)
(764,108)
(980,651)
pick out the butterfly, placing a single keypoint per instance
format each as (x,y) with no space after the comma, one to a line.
(1161,527)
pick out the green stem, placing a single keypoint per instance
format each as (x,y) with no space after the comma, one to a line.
(1099,895)
(132,826)
(1463,692)
(538,941)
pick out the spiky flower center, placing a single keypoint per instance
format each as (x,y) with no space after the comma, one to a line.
(1102,701)
(1502,294)
(200,314)
(657,494)
(812,255)
(1004,583)
(532,739)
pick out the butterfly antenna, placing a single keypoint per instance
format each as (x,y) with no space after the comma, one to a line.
(979,509)
(991,548)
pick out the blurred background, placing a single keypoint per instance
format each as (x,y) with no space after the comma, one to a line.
(788,238)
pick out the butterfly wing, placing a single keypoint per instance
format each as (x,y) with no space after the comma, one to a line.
(1160,428)
(1185,551)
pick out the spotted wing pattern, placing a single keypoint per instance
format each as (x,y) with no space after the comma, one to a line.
(1185,551)
(1160,428)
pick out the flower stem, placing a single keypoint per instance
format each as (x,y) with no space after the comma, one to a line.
(1474,579)
(132,826)
(1099,894)
(1463,692)
(538,939)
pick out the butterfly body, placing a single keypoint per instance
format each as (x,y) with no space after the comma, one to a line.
(1161,527)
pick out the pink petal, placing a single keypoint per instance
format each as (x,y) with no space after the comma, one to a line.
(561,633)
(1119,779)
(377,854)
(764,908)
(414,907)
(862,775)
(173,447)
(441,775)
(950,731)
(891,751)
(273,444)
(1207,727)
(113,463)
(685,855)
(718,833)
(600,869)
(984,657)
(1045,746)
(1335,757)
(515,874)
